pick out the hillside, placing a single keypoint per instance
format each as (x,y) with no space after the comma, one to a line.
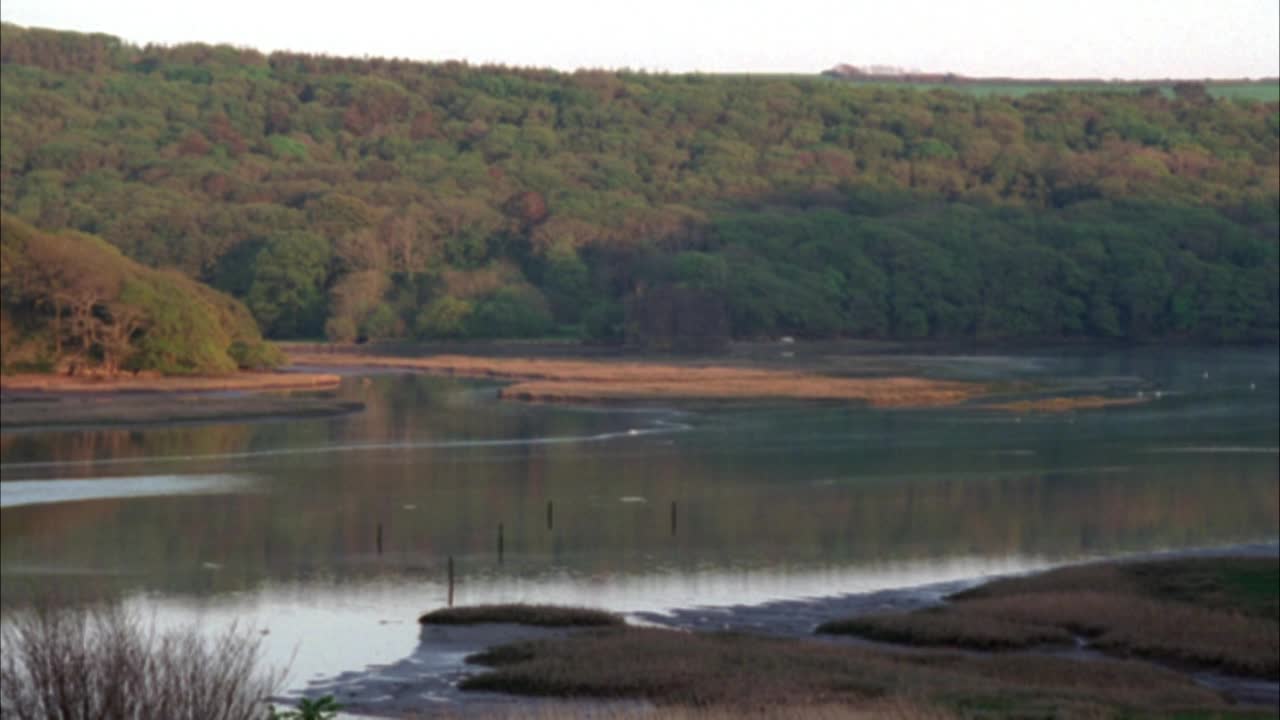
(71,303)
(385,198)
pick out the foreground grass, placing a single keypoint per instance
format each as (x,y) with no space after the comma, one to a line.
(590,381)
(1216,613)
(539,615)
(740,674)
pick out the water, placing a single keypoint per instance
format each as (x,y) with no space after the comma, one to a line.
(275,524)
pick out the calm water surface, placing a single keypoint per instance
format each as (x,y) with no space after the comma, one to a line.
(275,524)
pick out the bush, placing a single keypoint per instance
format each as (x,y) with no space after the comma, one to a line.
(511,312)
(256,355)
(445,317)
(77,664)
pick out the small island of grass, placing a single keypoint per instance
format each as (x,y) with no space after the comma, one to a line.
(558,380)
(518,614)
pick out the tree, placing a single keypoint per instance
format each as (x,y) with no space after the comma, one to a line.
(286,294)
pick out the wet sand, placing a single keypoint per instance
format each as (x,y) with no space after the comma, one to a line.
(425,684)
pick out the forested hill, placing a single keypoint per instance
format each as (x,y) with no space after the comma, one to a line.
(384,198)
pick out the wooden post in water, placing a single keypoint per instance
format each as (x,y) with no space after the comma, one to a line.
(550,516)
(379,538)
(450,581)
(673,518)
(499,542)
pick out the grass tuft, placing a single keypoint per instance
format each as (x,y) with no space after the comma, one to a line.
(539,615)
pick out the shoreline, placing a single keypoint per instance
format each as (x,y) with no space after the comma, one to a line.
(53,385)
(32,403)
(436,666)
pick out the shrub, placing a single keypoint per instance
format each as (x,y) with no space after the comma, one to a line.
(103,664)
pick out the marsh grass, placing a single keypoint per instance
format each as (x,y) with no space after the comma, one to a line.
(742,674)
(104,664)
(1217,613)
(546,379)
(943,628)
(539,615)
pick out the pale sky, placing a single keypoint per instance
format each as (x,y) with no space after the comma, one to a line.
(1019,38)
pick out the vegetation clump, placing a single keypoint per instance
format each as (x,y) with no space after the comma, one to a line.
(540,615)
(73,304)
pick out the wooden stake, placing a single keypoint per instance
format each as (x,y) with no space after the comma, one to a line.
(450,581)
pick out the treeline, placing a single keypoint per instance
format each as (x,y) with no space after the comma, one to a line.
(72,303)
(383,198)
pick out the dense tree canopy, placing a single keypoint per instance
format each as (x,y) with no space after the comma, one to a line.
(384,198)
(71,302)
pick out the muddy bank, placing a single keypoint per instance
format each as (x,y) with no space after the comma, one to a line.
(37,411)
(34,402)
(245,382)
(425,684)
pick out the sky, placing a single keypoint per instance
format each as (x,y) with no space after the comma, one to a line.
(1137,39)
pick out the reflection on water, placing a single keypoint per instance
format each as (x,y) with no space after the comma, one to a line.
(650,508)
(42,492)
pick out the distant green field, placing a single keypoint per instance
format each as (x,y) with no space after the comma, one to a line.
(1261,91)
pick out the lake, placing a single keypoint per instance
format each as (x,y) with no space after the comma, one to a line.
(276,525)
